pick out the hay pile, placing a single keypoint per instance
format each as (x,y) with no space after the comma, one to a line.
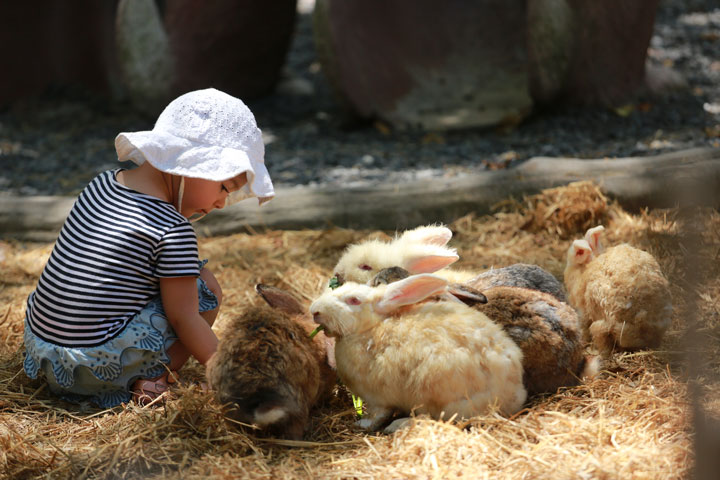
(631,422)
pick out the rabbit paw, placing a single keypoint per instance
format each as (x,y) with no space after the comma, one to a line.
(374,419)
(397,424)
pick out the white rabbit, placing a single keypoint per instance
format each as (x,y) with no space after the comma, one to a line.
(622,296)
(593,236)
(440,358)
(421,250)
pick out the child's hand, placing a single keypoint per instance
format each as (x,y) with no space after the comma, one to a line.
(180,301)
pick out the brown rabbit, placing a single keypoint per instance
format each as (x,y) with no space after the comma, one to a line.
(283,301)
(621,294)
(548,333)
(268,370)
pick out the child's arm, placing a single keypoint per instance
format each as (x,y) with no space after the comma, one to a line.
(180,301)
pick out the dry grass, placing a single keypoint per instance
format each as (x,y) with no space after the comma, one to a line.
(631,422)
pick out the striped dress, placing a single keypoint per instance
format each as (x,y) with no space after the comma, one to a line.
(107,262)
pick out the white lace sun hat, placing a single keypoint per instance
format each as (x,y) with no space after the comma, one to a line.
(204,134)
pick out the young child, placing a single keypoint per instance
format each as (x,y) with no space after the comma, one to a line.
(124,300)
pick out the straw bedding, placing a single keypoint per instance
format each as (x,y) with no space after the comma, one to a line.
(633,421)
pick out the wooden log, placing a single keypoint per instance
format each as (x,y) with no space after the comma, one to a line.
(659,181)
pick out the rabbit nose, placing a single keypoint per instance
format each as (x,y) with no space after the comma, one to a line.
(316,316)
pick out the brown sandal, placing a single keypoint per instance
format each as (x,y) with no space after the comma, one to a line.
(150,392)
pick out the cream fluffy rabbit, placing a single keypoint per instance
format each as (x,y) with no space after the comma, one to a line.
(421,250)
(398,355)
(546,329)
(622,296)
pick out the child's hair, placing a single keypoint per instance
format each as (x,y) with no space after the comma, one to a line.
(204,134)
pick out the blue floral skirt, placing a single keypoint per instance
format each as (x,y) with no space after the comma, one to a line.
(104,374)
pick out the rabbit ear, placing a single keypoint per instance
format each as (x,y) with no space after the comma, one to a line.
(592,236)
(410,290)
(580,252)
(279,299)
(467,294)
(427,235)
(428,258)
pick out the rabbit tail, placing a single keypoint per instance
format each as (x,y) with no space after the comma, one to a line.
(275,410)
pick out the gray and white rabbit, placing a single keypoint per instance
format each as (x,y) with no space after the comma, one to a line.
(521,275)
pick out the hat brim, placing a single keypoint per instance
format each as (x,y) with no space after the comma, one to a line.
(180,156)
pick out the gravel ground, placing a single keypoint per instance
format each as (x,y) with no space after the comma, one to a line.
(55,144)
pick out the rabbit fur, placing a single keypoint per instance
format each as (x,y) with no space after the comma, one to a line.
(548,333)
(399,353)
(424,250)
(546,329)
(520,275)
(621,294)
(421,250)
(269,371)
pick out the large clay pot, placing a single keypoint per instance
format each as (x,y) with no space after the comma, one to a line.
(56,43)
(238,46)
(144,57)
(588,52)
(431,64)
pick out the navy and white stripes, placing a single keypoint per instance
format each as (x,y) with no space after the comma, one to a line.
(106,263)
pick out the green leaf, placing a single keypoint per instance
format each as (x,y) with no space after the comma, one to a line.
(357,403)
(317,329)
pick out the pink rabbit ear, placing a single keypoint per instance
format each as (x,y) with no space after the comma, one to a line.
(592,236)
(427,235)
(428,259)
(580,252)
(410,290)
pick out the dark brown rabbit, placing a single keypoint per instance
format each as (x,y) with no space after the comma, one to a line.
(268,370)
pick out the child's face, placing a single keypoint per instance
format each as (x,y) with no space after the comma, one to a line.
(202,196)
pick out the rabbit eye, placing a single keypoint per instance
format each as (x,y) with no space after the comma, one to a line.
(365,267)
(353,301)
